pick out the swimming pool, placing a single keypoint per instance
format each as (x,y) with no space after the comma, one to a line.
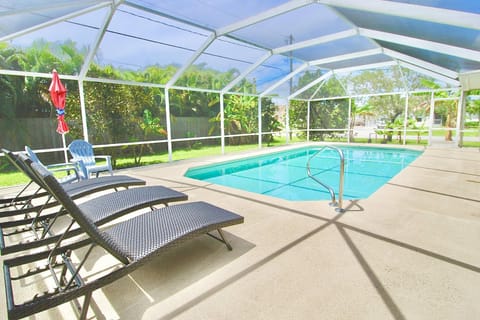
(284,174)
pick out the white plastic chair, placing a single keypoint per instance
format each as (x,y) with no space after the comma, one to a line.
(77,169)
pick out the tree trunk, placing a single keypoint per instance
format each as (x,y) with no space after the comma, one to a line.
(448,134)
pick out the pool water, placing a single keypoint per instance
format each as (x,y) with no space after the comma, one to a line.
(284,174)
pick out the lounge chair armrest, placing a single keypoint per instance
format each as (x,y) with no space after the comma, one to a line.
(81,169)
(106,158)
(65,167)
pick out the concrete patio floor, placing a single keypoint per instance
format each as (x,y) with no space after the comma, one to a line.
(410,251)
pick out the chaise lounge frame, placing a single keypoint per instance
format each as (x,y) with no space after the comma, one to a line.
(133,243)
(120,203)
(75,190)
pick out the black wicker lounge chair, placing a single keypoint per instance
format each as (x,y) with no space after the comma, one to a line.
(100,210)
(119,204)
(23,204)
(132,242)
(23,210)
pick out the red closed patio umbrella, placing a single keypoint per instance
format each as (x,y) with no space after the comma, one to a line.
(58,93)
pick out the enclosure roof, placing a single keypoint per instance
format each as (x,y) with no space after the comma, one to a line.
(270,43)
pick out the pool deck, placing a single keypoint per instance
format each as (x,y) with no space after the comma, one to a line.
(410,251)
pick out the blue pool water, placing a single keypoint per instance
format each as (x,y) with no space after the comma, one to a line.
(284,174)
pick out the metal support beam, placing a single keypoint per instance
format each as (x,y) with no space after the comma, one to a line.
(421,44)
(259,123)
(316,41)
(281,9)
(429,73)
(83,110)
(350,125)
(47,6)
(431,117)
(246,72)
(348,56)
(460,119)
(311,84)
(287,122)
(308,120)
(284,79)
(422,64)
(366,67)
(96,44)
(192,59)
(411,11)
(405,118)
(51,22)
(169,126)
(222,123)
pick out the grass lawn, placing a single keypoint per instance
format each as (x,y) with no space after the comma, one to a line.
(12,179)
(182,154)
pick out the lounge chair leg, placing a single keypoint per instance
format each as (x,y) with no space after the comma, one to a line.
(220,232)
(63,274)
(221,239)
(86,304)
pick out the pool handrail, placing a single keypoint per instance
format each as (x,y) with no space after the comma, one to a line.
(329,188)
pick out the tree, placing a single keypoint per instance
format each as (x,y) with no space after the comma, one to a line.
(298,109)
(446,108)
(23,97)
(379,80)
(298,116)
(328,114)
(270,122)
(240,117)
(473,105)
(362,111)
(150,125)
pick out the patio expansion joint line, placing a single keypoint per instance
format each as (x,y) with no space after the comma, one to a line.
(473,181)
(458,263)
(433,192)
(327,222)
(446,170)
(344,225)
(257,265)
(404,245)
(449,158)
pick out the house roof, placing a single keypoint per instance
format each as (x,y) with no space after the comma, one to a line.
(271,43)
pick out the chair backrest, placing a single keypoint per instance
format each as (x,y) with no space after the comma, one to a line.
(18,163)
(25,163)
(82,150)
(87,225)
(33,156)
(79,168)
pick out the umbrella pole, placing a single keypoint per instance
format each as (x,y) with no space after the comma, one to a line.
(64,148)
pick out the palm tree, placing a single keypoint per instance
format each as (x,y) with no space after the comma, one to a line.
(362,111)
(447,108)
(150,125)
